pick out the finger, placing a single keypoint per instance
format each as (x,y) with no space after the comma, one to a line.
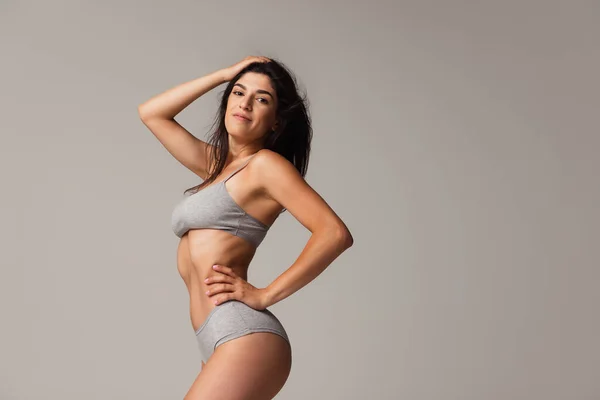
(220,288)
(224,269)
(219,278)
(225,297)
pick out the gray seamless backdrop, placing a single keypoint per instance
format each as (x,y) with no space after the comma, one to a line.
(458,140)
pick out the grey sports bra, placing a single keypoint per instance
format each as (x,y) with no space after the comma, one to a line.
(213,207)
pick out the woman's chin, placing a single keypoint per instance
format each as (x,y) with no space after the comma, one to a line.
(241,134)
(235,128)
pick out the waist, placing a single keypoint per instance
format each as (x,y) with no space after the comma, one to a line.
(209,247)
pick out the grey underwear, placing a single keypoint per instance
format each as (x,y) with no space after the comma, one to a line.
(232,319)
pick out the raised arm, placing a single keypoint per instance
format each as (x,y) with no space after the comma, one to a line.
(158,114)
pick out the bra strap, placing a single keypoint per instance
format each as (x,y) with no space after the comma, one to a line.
(237,170)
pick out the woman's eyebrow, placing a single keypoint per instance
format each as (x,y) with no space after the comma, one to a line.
(258,91)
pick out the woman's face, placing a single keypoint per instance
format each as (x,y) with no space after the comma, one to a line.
(252,96)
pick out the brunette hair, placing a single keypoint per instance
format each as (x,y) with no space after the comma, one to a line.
(293,135)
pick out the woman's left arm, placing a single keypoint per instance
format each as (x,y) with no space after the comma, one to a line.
(329,235)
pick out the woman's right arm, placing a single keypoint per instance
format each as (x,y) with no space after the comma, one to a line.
(158,114)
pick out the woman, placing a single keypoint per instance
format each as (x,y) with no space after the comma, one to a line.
(252,168)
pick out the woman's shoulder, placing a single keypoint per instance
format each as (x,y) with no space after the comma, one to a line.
(270,159)
(272,168)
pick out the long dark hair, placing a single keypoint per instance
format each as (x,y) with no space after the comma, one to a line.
(293,135)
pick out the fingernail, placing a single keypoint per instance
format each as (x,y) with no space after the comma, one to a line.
(215,266)
(206,280)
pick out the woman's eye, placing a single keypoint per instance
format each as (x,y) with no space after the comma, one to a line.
(237,92)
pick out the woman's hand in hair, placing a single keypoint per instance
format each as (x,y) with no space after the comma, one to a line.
(230,72)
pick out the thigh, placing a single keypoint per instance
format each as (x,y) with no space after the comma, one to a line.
(253,366)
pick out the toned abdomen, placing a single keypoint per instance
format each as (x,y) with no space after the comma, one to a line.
(198,251)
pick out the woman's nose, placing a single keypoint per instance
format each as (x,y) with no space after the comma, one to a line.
(245,103)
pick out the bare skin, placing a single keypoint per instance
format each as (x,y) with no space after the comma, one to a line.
(269,355)
(257,365)
(200,249)
(254,366)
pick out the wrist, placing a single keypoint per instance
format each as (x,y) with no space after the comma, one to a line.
(267,297)
(224,76)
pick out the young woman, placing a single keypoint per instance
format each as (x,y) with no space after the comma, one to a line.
(253,169)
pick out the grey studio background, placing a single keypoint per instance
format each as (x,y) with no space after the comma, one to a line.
(458,140)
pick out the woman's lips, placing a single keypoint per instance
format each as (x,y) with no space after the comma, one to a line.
(241,118)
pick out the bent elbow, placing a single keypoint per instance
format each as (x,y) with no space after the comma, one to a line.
(345,237)
(349,240)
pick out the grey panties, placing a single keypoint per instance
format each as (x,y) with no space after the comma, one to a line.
(232,319)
